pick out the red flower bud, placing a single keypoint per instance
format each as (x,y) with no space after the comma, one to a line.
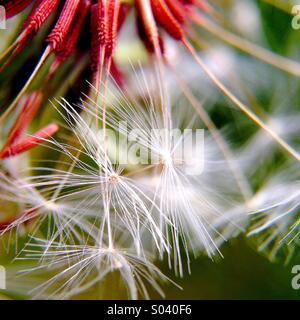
(166,19)
(29,142)
(61,29)
(27,112)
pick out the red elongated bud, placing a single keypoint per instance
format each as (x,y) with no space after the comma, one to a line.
(95,41)
(201,4)
(32,13)
(68,47)
(177,9)
(27,112)
(145,39)
(30,142)
(113,9)
(166,19)
(13,7)
(143,35)
(61,29)
(39,15)
(108,17)
(102,23)
(150,30)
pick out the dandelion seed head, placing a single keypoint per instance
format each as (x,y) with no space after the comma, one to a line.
(51,206)
(114,178)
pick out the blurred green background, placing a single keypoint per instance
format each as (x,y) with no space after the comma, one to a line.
(241,274)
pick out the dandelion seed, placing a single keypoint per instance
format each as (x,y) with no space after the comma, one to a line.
(181,194)
(275,208)
(130,205)
(84,266)
(66,219)
(260,146)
